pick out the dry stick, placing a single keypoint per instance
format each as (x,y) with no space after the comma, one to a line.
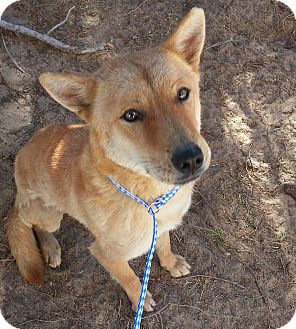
(211,277)
(207,202)
(140,5)
(52,41)
(7,260)
(189,306)
(16,64)
(160,318)
(205,312)
(63,22)
(218,44)
(258,287)
(158,312)
(43,321)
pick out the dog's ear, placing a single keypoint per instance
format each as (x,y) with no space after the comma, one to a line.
(188,40)
(74,92)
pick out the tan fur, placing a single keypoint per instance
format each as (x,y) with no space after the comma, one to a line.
(24,248)
(65,168)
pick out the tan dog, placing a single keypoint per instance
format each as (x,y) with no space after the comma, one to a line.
(142,114)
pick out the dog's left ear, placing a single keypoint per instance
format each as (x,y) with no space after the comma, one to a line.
(188,39)
(74,92)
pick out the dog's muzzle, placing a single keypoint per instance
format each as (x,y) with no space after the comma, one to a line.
(188,159)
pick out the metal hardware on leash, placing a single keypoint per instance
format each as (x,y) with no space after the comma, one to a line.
(153,209)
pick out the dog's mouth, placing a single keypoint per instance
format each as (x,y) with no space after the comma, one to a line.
(172,178)
(185,180)
(182,180)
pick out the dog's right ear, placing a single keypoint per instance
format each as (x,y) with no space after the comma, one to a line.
(74,92)
(188,40)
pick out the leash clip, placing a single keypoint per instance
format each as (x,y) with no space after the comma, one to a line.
(153,208)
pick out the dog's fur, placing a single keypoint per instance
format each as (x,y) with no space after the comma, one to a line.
(65,168)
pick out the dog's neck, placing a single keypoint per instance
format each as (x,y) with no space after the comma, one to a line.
(99,167)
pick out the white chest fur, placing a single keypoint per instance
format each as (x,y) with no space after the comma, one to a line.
(125,228)
(168,218)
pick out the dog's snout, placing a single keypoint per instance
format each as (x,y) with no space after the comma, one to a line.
(188,158)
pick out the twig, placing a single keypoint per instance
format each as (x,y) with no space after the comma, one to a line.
(207,202)
(7,260)
(52,41)
(63,22)
(212,278)
(16,64)
(204,312)
(218,44)
(161,323)
(158,312)
(258,287)
(43,321)
(189,306)
(140,5)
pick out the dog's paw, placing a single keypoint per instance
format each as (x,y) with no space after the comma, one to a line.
(148,305)
(176,265)
(51,251)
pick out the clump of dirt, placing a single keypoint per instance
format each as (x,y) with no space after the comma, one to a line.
(240,233)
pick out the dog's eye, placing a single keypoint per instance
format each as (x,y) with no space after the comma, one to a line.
(132,115)
(183,94)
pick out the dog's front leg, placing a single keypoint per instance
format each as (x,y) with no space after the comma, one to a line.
(175,264)
(122,272)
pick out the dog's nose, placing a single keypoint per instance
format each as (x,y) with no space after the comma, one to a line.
(188,158)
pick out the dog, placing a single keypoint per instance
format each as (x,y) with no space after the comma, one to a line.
(142,127)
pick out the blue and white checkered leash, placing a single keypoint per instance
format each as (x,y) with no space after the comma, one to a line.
(153,208)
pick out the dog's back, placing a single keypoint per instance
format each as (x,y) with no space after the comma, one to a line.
(48,160)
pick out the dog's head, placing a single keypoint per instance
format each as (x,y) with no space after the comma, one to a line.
(144,107)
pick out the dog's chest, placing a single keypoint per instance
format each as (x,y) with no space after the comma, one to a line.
(137,233)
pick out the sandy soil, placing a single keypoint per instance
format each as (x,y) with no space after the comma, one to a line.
(240,233)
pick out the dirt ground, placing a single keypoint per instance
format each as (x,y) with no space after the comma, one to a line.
(240,233)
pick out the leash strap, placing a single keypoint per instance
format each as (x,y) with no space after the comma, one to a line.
(153,208)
